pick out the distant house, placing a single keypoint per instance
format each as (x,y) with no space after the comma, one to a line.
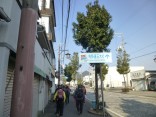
(135,79)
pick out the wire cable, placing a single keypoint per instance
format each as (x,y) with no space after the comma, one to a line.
(62,19)
(143,55)
(66,28)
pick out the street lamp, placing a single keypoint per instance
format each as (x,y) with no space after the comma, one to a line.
(68,55)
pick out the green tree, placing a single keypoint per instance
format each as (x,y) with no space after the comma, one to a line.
(79,80)
(72,68)
(104,70)
(93,32)
(64,80)
(123,63)
(75,65)
(68,72)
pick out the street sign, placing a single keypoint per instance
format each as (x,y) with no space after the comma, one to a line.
(103,57)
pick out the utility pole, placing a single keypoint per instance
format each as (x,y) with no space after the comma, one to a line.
(96,86)
(24,69)
(59,66)
(102,91)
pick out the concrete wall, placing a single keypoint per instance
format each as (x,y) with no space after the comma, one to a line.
(41,60)
(114,79)
(8,41)
(9,31)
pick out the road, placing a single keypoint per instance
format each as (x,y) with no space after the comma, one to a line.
(126,105)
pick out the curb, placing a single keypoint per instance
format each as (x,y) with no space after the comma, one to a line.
(92,111)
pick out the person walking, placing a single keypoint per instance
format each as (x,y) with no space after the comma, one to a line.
(59,98)
(80,99)
(67,92)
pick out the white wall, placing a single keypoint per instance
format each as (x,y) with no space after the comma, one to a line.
(47,4)
(9,31)
(114,79)
(40,60)
(44,21)
(86,78)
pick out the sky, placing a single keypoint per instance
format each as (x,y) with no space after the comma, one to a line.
(134,21)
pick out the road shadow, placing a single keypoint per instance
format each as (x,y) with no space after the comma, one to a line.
(138,109)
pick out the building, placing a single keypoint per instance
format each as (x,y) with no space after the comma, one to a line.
(136,79)
(44,63)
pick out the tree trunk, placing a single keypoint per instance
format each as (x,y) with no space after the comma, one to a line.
(124,81)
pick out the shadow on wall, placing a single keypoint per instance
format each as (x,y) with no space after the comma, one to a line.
(138,109)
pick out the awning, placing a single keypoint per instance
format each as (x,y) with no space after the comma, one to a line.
(42,37)
(4,16)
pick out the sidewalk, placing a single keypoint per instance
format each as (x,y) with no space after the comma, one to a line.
(69,110)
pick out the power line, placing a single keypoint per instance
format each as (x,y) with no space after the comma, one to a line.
(72,17)
(144,48)
(62,19)
(143,55)
(66,28)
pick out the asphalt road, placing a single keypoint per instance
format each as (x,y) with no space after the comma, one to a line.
(127,105)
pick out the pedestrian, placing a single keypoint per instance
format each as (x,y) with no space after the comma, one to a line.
(80,99)
(67,91)
(59,98)
(84,89)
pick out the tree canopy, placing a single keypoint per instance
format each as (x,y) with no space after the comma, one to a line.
(72,67)
(68,72)
(123,62)
(104,70)
(92,30)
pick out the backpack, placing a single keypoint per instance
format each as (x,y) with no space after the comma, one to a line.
(60,94)
(79,94)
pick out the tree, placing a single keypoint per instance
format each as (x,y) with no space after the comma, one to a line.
(92,31)
(123,63)
(64,80)
(68,72)
(104,70)
(79,80)
(75,65)
(72,67)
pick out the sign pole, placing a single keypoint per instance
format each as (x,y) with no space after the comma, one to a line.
(102,91)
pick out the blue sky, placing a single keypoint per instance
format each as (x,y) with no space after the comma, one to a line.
(135,19)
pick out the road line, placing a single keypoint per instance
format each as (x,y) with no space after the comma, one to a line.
(114,112)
